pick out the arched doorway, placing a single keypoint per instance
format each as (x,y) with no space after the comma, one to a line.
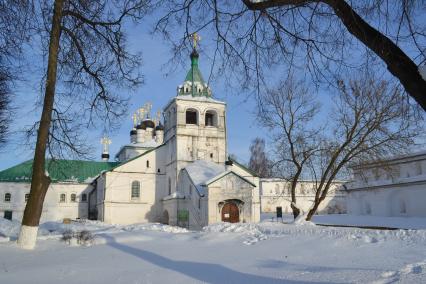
(230,213)
(165,219)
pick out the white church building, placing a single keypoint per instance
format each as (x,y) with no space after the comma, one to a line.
(175,172)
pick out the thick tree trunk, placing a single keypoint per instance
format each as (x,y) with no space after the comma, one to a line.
(296,210)
(40,181)
(313,210)
(397,62)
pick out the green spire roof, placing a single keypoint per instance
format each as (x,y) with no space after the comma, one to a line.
(194,78)
(58,170)
(194,74)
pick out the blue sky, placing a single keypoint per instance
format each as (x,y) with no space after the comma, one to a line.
(158,89)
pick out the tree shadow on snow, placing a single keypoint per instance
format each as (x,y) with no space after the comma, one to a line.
(204,272)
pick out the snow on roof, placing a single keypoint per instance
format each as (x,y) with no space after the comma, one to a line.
(147,144)
(174,195)
(198,98)
(392,159)
(201,171)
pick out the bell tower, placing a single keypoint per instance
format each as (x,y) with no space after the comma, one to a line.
(195,123)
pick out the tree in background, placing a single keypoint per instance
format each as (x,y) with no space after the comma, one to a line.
(87,60)
(259,163)
(289,112)
(14,33)
(324,38)
(370,119)
(4,107)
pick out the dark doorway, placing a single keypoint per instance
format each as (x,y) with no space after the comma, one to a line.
(8,215)
(165,218)
(230,213)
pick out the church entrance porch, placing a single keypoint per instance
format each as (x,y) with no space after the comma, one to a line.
(230,212)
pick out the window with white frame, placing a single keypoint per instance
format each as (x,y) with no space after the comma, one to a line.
(7,197)
(136,189)
(277,189)
(84,197)
(62,198)
(73,197)
(27,196)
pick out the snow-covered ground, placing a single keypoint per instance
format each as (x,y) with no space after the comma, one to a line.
(269,252)
(356,221)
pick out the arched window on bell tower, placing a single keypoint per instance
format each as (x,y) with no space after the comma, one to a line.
(191,116)
(210,118)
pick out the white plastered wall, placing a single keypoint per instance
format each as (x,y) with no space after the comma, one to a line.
(116,201)
(405,200)
(53,209)
(230,187)
(275,193)
(186,142)
(256,201)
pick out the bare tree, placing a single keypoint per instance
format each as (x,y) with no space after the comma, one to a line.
(288,112)
(86,61)
(4,107)
(14,33)
(259,163)
(321,37)
(369,120)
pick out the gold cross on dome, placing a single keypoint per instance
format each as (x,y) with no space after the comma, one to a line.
(105,141)
(148,108)
(141,112)
(195,39)
(135,119)
(158,117)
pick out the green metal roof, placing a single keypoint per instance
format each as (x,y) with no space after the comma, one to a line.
(194,76)
(59,171)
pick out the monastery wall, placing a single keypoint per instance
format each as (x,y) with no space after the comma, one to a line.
(276,193)
(403,200)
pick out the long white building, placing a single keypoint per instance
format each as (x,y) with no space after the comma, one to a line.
(393,187)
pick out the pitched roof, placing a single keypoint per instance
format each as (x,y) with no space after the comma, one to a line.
(201,171)
(221,175)
(59,171)
(243,167)
(136,157)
